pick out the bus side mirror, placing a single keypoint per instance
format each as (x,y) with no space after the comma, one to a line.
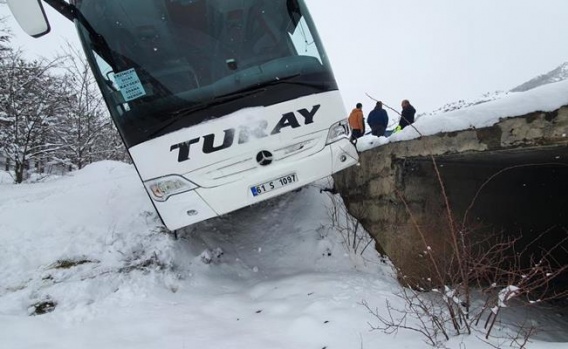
(30,16)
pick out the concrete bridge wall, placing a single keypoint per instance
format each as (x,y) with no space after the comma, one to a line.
(517,171)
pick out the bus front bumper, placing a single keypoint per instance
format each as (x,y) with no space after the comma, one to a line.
(193,206)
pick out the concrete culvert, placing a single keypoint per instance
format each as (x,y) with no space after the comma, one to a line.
(507,179)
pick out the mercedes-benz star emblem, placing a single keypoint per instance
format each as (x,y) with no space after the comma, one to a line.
(264,158)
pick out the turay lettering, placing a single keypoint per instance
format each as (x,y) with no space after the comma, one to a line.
(246,133)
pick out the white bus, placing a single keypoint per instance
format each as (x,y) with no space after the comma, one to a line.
(220,103)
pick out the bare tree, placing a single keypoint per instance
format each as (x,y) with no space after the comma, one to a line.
(29,100)
(5,36)
(84,132)
(470,280)
(53,116)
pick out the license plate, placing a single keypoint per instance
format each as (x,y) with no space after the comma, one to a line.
(274,184)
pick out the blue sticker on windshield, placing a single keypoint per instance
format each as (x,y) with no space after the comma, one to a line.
(129,84)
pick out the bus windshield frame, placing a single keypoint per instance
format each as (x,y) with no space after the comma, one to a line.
(163,65)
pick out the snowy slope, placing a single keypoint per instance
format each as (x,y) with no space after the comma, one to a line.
(282,281)
(274,275)
(560,73)
(556,75)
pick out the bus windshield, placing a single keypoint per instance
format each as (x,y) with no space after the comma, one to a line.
(167,64)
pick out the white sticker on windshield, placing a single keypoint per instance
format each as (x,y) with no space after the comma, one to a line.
(129,84)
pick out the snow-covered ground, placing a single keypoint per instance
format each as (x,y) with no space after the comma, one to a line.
(283,279)
(274,275)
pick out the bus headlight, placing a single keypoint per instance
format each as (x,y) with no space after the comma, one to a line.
(338,131)
(162,188)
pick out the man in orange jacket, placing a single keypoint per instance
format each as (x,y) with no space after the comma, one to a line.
(357,123)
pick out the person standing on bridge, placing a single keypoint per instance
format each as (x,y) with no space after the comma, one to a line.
(378,120)
(407,114)
(357,123)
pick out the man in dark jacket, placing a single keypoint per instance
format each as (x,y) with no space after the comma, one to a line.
(378,120)
(407,115)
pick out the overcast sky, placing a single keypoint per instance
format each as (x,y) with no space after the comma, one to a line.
(430,52)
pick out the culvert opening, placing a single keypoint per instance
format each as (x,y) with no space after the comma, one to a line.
(519,193)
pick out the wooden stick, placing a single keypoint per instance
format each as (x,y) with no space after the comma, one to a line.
(376,100)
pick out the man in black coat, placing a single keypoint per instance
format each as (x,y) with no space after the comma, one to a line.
(378,120)
(407,115)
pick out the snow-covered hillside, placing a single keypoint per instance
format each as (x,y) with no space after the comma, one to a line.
(462,104)
(486,112)
(87,250)
(560,73)
(556,75)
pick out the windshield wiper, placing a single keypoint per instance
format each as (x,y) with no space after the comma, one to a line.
(322,86)
(180,113)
